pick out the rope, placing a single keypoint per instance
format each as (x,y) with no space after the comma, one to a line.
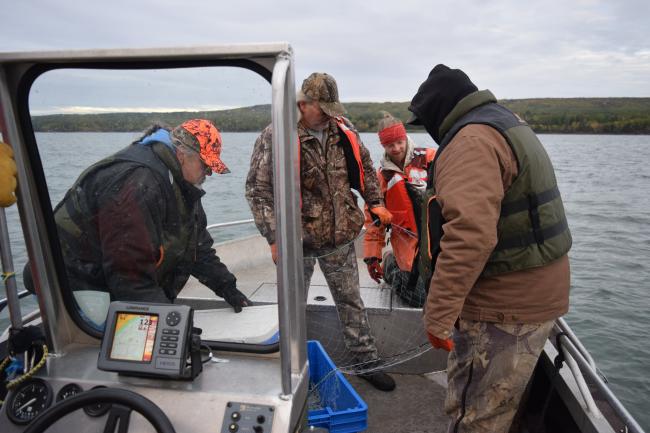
(4,363)
(24,377)
(7,275)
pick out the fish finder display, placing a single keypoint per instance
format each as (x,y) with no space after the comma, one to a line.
(134,337)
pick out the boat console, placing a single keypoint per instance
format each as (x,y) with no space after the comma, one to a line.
(155,340)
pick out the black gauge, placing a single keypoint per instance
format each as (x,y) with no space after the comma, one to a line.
(29,400)
(98,409)
(69,390)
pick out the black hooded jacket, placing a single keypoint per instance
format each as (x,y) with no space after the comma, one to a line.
(132,226)
(437,96)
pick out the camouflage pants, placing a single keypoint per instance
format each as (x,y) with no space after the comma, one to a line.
(488,371)
(342,276)
(413,294)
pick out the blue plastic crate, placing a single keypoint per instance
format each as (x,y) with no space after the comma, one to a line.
(343,411)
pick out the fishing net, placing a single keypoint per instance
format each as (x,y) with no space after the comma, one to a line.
(393,315)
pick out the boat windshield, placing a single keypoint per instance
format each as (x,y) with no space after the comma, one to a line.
(133,209)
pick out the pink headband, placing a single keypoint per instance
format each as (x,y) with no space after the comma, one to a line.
(392,133)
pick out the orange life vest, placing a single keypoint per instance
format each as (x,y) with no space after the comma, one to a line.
(356,154)
(354,143)
(404,232)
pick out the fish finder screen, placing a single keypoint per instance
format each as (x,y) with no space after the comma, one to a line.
(134,337)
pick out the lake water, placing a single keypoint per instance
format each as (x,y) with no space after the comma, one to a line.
(605,185)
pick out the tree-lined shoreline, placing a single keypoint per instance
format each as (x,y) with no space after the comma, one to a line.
(545,115)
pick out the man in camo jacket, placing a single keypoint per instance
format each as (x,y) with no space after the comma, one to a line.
(333,160)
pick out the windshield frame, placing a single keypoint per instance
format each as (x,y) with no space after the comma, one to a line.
(37,168)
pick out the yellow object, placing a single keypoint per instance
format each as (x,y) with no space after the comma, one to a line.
(7,176)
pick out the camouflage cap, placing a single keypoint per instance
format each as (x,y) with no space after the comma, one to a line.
(321,87)
(204,138)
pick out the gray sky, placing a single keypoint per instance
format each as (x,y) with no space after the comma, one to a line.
(377,50)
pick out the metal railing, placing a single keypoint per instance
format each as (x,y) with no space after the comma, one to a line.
(8,273)
(5,301)
(580,362)
(230,224)
(564,327)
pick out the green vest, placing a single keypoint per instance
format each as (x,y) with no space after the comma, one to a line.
(532,230)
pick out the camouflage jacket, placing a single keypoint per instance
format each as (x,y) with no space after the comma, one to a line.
(330,213)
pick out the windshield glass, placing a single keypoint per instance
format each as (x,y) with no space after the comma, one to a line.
(130,159)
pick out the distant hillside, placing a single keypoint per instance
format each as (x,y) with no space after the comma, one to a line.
(253,118)
(585,115)
(545,115)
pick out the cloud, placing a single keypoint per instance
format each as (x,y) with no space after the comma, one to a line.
(72,109)
(380,50)
(195,89)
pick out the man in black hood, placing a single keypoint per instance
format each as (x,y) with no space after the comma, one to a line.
(437,96)
(497,244)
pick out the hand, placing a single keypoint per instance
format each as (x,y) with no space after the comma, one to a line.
(384,216)
(438,343)
(374,268)
(274,253)
(236,299)
(7,176)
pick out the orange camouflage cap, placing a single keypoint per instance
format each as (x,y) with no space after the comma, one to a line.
(204,138)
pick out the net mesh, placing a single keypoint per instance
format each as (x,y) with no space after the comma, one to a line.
(393,313)
(324,393)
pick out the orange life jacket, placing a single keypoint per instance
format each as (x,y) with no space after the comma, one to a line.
(404,232)
(356,155)
(354,143)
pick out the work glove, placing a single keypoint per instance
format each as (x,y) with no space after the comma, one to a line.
(7,176)
(439,343)
(274,253)
(382,213)
(236,299)
(374,268)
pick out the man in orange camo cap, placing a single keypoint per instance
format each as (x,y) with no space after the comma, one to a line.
(133,223)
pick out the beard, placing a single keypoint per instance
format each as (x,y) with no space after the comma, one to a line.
(199,183)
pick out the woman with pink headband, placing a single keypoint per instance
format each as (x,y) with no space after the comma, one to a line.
(402,176)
